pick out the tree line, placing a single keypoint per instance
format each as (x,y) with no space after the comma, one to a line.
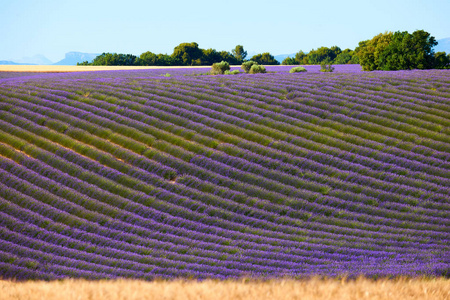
(400,50)
(386,51)
(185,54)
(332,55)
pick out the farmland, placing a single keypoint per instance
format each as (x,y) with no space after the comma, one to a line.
(133,174)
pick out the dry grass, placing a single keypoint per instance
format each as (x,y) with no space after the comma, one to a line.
(60,69)
(400,289)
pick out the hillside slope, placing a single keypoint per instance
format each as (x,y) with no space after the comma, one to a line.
(131,174)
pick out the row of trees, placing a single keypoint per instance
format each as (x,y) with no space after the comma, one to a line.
(323,54)
(386,51)
(401,51)
(185,54)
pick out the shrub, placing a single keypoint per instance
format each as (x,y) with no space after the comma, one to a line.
(220,68)
(297,69)
(326,66)
(248,65)
(257,69)
(234,72)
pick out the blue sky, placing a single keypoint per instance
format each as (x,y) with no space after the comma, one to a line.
(54,27)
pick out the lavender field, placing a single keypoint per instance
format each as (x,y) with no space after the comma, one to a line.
(131,174)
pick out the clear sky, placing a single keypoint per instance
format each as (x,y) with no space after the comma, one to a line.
(54,27)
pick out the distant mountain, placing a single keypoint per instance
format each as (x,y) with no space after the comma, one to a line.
(7,62)
(72,58)
(443,45)
(38,59)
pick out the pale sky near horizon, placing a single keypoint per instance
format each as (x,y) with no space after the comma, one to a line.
(54,27)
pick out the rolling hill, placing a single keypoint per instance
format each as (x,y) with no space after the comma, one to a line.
(132,174)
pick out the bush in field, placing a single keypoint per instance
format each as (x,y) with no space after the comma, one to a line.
(297,70)
(220,68)
(247,65)
(326,66)
(257,69)
(234,72)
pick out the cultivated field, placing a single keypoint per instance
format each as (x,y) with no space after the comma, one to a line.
(314,289)
(63,69)
(134,174)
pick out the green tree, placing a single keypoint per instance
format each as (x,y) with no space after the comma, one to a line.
(301,58)
(114,59)
(148,59)
(239,53)
(369,51)
(315,57)
(408,51)
(166,60)
(187,54)
(441,60)
(265,59)
(228,57)
(289,61)
(210,56)
(345,57)
(397,51)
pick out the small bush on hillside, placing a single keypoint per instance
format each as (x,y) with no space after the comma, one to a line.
(297,69)
(326,66)
(257,69)
(220,68)
(248,65)
(234,72)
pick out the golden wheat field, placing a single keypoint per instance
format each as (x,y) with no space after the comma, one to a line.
(62,69)
(326,289)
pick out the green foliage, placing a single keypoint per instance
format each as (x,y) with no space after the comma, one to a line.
(220,68)
(326,66)
(228,57)
(441,60)
(239,53)
(301,58)
(257,69)
(247,65)
(397,51)
(265,59)
(316,57)
(289,61)
(210,56)
(148,59)
(166,60)
(370,50)
(297,70)
(234,72)
(188,54)
(114,59)
(408,51)
(345,57)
